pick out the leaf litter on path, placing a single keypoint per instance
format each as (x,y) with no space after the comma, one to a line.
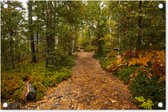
(90,87)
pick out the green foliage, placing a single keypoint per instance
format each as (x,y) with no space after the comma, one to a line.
(126,14)
(124,73)
(9,87)
(89,48)
(60,58)
(142,80)
(14,87)
(69,61)
(62,76)
(83,41)
(101,55)
(144,104)
(140,99)
(104,58)
(147,105)
(55,77)
(149,88)
(105,63)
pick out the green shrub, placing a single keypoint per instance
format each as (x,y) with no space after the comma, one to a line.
(48,82)
(149,88)
(39,86)
(13,82)
(102,55)
(142,83)
(18,95)
(39,95)
(62,76)
(89,48)
(68,61)
(104,63)
(57,77)
(60,58)
(124,73)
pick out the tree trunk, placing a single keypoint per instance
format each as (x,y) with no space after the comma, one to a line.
(99,50)
(139,39)
(90,38)
(37,40)
(17,49)
(73,46)
(12,50)
(32,46)
(11,39)
(50,41)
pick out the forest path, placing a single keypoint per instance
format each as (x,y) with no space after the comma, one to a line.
(90,87)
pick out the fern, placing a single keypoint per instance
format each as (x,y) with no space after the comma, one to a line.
(140,99)
(144,104)
(147,105)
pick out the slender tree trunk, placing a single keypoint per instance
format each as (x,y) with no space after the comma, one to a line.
(139,39)
(90,39)
(73,46)
(73,40)
(37,41)
(32,45)
(47,38)
(50,41)
(17,49)
(99,50)
(11,39)
(12,51)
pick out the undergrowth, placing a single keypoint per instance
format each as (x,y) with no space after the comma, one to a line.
(89,48)
(143,71)
(13,85)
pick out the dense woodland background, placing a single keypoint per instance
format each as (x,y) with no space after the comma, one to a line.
(39,41)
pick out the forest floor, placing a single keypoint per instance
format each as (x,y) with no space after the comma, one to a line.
(90,87)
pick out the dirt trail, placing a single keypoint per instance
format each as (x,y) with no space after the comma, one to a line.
(90,87)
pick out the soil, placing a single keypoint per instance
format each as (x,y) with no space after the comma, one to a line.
(89,88)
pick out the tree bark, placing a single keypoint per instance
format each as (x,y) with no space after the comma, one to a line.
(12,50)
(37,41)
(90,38)
(50,41)
(139,39)
(32,45)
(11,39)
(99,50)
